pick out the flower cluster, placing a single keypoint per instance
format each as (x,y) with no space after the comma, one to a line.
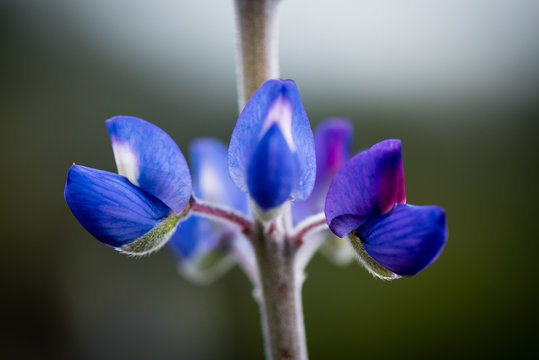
(274,167)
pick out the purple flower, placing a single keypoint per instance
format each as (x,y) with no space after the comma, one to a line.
(367,201)
(138,209)
(271,154)
(333,142)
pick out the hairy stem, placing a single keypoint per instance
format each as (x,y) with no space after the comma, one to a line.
(279,297)
(221,213)
(257,59)
(309,226)
(279,289)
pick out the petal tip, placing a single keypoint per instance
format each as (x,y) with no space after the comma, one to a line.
(150,159)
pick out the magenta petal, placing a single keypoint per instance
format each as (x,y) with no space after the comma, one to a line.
(370,184)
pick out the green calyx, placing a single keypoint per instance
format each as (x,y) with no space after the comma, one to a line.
(154,239)
(368,262)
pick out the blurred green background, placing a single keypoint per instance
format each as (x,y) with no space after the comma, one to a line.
(456,81)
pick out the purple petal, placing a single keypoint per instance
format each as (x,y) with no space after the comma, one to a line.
(109,207)
(271,173)
(275,102)
(211,179)
(368,185)
(333,140)
(407,240)
(150,159)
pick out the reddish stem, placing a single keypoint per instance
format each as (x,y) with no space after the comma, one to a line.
(222,214)
(307,229)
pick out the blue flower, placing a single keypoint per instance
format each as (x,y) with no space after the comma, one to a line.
(271,154)
(275,159)
(367,202)
(138,209)
(202,245)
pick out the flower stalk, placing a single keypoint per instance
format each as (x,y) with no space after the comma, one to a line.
(279,296)
(220,213)
(257,50)
(278,290)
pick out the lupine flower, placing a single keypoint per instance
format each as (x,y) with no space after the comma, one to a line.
(272,158)
(138,209)
(332,141)
(271,154)
(202,245)
(367,202)
(333,144)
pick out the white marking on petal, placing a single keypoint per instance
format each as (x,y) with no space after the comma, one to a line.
(280,113)
(210,184)
(126,161)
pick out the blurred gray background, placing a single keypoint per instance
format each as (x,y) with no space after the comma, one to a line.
(457,81)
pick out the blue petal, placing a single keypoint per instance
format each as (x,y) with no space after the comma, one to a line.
(272,171)
(195,235)
(150,159)
(211,182)
(211,179)
(109,207)
(407,240)
(275,102)
(333,140)
(368,185)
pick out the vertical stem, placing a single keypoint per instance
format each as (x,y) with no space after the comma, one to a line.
(279,298)
(257,59)
(279,289)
